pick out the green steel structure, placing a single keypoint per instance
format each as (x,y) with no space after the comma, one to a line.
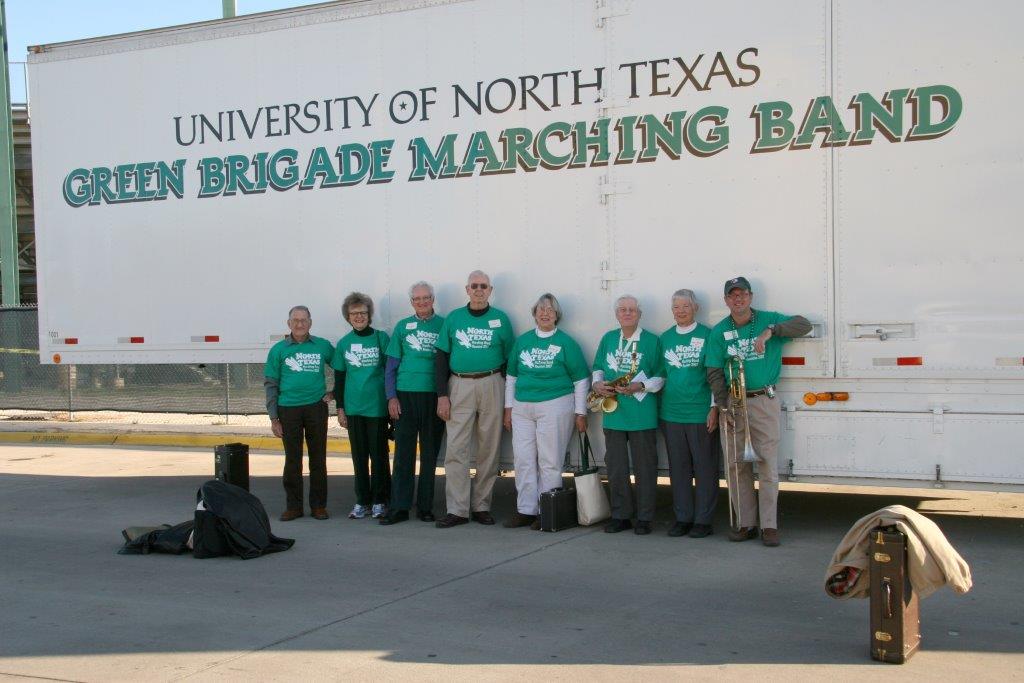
(10,290)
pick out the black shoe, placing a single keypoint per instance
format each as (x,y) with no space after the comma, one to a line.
(450,520)
(394,517)
(745,533)
(483,517)
(519,519)
(701,530)
(617,525)
(680,529)
(642,528)
(427,516)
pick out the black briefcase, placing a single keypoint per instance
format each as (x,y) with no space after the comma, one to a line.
(231,464)
(558,509)
(895,615)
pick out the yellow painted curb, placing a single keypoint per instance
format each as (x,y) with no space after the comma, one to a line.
(171,439)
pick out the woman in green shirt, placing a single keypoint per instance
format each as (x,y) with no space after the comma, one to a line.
(688,419)
(545,388)
(362,409)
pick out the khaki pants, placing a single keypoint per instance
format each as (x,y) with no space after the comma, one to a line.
(477,404)
(764,417)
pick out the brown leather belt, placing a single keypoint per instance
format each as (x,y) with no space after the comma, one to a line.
(476,375)
(759,392)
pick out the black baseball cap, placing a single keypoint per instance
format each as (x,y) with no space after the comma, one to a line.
(737,282)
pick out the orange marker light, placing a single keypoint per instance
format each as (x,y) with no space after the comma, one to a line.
(840,396)
(810,398)
(824,396)
(56,358)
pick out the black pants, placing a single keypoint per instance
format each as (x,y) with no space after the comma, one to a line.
(311,421)
(642,444)
(368,437)
(692,456)
(419,419)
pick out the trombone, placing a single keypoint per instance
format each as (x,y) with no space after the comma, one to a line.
(738,401)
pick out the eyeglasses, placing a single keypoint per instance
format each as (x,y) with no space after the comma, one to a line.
(299,321)
(358,314)
(422,299)
(479,285)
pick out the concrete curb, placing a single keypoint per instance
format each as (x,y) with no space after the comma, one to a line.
(170,439)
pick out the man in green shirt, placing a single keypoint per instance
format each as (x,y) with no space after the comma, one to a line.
(297,404)
(473,346)
(412,404)
(629,352)
(756,337)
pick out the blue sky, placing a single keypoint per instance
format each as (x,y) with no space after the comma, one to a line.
(35,22)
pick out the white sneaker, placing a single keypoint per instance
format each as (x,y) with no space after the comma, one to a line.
(358,512)
(379,510)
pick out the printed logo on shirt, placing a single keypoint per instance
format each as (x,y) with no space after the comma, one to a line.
(685,356)
(359,356)
(422,340)
(475,337)
(746,350)
(622,360)
(304,362)
(540,359)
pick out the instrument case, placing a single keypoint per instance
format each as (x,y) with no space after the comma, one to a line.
(895,616)
(558,509)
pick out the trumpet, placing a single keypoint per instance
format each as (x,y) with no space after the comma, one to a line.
(609,404)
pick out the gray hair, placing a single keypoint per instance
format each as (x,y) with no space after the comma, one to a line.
(552,301)
(421,284)
(300,308)
(354,299)
(624,297)
(478,273)
(686,294)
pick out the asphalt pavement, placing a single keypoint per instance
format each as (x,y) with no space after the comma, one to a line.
(410,601)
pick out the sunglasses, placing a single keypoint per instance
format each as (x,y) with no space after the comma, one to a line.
(479,285)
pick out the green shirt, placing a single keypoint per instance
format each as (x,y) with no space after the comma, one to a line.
(298,368)
(545,368)
(361,358)
(413,345)
(615,357)
(686,398)
(476,343)
(760,369)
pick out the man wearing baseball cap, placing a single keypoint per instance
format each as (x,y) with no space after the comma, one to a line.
(756,337)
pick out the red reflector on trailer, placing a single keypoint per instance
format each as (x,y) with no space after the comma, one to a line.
(71,340)
(136,340)
(909,360)
(212,338)
(793,360)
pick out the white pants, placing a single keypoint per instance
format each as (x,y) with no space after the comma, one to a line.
(540,435)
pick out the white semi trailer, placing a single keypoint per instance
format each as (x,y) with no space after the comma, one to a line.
(856,159)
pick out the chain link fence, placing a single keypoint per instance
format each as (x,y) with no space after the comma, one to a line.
(218,389)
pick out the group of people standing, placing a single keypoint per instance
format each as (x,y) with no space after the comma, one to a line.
(467,375)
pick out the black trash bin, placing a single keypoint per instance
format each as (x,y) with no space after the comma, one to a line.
(231,464)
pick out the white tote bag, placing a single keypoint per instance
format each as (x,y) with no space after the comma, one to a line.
(591,501)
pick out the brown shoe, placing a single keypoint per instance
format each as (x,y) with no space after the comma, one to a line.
(519,519)
(450,520)
(319,513)
(289,515)
(744,533)
(483,517)
(770,537)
